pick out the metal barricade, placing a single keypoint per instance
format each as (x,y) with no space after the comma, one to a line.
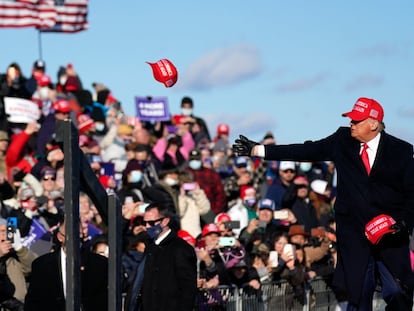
(279,296)
(217,298)
(321,296)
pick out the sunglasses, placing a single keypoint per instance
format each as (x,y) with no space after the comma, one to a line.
(301,186)
(288,171)
(49,178)
(152,223)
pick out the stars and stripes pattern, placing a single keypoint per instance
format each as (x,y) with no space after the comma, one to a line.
(46,15)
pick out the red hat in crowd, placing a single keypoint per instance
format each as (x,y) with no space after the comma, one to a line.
(44,80)
(85,123)
(223,129)
(165,72)
(222,217)
(210,228)
(61,105)
(247,192)
(365,108)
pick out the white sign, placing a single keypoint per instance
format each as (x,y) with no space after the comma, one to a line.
(20,110)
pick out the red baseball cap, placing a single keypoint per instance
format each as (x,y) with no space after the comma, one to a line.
(222,217)
(223,129)
(165,72)
(44,80)
(210,228)
(62,105)
(365,108)
(378,226)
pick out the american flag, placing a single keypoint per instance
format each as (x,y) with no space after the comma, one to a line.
(71,16)
(45,15)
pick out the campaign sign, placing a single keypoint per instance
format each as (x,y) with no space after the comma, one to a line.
(36,232)
(152,108)
(21,110)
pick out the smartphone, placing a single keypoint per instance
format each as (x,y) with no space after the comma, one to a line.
(262,224)
(273,259)
(11,228)
(290,249)
(227,241)
(189,186)
(283,214)
(233,224)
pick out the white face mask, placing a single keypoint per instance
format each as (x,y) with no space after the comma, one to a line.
(62,80)
(186,111)
(99,126)
(195,164)
(305,166)
(171,181)
(44,92)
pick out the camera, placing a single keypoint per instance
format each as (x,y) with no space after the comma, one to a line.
(11,228)
(233,224)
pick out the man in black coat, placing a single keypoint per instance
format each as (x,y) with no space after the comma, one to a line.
(374,207)
(170,272)
(46,288)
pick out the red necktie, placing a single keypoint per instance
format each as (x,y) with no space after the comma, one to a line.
(365,159)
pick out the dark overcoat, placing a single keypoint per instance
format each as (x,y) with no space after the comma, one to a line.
(170,276)
(389,189)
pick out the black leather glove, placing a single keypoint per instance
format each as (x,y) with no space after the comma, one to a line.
(243,146)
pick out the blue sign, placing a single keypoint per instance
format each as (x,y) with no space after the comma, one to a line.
(152,108)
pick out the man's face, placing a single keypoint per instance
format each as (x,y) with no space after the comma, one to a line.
(363,130)
(265,215)
(298,239)
(287,176)
(153,217)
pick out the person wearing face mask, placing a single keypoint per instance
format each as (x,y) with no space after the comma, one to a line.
(170,271)
(116,152)
(209,180)
(245,208)
(132,181)
(187,107)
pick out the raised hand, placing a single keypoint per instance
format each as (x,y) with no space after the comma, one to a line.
(243,146)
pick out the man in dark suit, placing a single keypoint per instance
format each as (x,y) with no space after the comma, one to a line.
(46,290)
(170,272)
(374,207)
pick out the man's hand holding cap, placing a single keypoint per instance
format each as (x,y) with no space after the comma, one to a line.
(377,227)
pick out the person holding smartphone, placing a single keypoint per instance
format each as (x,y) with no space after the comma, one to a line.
(290,267)
(192,205)
(16,258)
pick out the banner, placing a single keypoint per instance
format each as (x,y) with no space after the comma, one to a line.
(152,109)
(20,110)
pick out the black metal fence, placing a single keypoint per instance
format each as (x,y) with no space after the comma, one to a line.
(273,296)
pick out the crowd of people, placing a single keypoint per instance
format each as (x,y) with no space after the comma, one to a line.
(247,220)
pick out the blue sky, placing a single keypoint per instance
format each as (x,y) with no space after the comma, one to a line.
(290,67)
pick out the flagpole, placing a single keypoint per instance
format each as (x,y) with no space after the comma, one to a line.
(39,43)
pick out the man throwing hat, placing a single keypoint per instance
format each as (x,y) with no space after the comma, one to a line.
(374,208)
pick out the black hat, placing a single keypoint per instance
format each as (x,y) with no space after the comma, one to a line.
(195,154)
(39,65)
(187,100)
